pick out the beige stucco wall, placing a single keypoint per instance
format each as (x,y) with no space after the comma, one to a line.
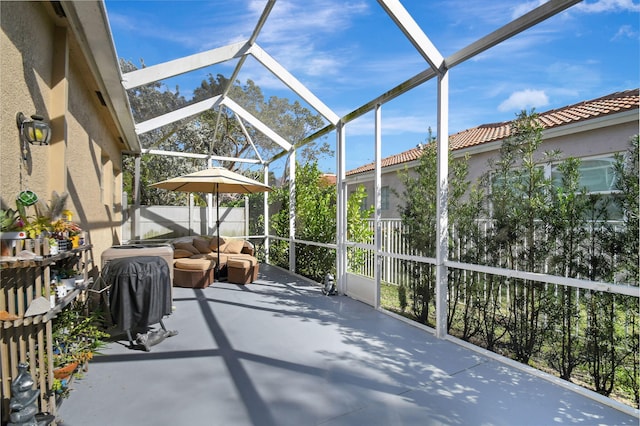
(390,179)
(23,88)
(44,72)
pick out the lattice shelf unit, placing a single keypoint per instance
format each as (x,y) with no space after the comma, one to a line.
(29,339)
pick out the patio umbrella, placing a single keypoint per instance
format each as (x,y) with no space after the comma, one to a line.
(215,180)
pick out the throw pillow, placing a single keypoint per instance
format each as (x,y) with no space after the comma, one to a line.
(202,245)
(186,246)
(234,246)
(213,245)
(181,253)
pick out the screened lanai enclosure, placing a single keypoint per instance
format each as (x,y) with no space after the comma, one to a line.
(433,79)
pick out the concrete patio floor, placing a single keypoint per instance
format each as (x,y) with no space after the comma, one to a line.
(278,352)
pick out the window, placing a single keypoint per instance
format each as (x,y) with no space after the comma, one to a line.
(363,204)
(384,198)
(598,176)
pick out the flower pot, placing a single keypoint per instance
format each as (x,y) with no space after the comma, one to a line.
(64,245)
(65,371)
(13,235)
(61,291)
(6,247)
(69,283)
(8,241)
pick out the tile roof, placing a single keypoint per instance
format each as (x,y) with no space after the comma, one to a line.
(328,179)
(586,110)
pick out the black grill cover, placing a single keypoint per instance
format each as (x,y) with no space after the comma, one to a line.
(140,290)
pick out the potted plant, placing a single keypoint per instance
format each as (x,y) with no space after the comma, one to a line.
(10,221)
(60,387)
(76,338)
(68,277)
(53,246)
(67,231)
(10,229)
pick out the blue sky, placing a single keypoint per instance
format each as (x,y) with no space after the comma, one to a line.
(348,52)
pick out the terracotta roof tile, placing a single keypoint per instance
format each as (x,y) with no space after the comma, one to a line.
(610,104)
(328,179)
(403,157)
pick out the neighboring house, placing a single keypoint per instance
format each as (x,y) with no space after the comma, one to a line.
(58,61)
(591,130)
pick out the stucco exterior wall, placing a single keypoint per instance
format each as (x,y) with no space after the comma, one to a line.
(43,71)
(93,163)
(390,179)
(25,82)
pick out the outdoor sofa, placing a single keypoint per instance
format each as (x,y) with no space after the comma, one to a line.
(195,259)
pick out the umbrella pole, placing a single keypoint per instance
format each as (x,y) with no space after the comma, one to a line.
(217,269)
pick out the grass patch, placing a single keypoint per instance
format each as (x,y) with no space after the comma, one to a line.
(389,297)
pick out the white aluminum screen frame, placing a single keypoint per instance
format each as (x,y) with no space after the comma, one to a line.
(439,67)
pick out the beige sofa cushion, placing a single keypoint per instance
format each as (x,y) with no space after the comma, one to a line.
(194,264)
(210,256)
(213,244)
(181,253)
(186,246)
(233,247)
(244,257)
(202,245)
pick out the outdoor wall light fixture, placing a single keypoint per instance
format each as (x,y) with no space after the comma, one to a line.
(35,131)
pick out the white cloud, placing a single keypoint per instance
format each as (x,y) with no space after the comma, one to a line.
(316,18)
(301,35)
(524,99)
(625,31)
(600,6)
(523,8)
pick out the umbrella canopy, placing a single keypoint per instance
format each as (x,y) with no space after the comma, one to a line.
(213,180)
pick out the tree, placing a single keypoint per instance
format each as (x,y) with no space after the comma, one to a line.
(419,217)
(419,229)
(292,121)
(358,229)
(568,225)
(468,298)
(628,183)
(148,101)
(315,208)
(520,200)
(216,132)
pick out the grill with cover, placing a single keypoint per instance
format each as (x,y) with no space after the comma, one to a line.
(140,293)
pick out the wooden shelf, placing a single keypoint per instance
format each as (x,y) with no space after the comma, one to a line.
(22,282)
(52,313)
(11,262)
